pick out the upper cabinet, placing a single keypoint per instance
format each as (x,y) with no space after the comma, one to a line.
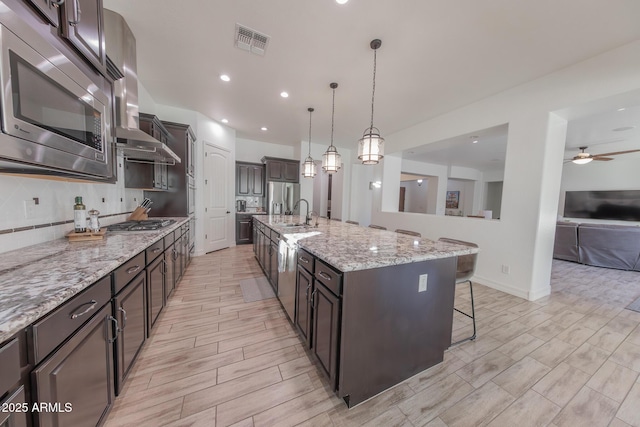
(249,179)
(149,175)
(82,24)
(282,169)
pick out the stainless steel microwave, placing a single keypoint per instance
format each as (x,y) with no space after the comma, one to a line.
(54,118)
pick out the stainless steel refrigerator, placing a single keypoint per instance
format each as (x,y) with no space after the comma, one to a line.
(281,197)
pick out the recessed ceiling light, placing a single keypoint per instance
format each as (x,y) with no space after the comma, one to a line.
(623,128)
(224,121)
(284,94)
(263,128)
(474,139)
(621,109)
(225,78)
(341,1)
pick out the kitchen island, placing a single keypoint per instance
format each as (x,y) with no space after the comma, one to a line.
(374,306)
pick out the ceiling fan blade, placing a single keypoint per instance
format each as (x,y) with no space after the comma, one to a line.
(615,153)
(602,158)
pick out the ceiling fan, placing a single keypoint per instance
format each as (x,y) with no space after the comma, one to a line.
(583,157)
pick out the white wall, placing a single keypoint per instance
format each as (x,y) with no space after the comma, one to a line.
(416,196)
(523,238)
(248,150)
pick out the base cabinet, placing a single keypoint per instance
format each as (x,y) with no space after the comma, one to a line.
(130,308)
(80,374)
(155,290)
(326,318)
(304,288)
(9,418)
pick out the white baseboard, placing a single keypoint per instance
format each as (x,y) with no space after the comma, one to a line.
(528,295)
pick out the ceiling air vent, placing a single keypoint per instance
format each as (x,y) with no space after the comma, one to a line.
(250,40)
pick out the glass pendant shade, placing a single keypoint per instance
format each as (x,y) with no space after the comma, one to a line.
(371,147)
(309,168)
(582,161)
(331,160)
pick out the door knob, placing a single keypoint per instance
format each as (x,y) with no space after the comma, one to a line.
(228,212)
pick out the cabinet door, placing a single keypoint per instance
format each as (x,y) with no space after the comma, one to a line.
(292,171)
(131,310)
(9,418)
(244,232)
(50,11)
(83,26)
(170,255)
(275,170)
(273,266)
(326,317)
(79,373)
(242,180)
(155,291)
(191,149)
(257,181)
(179,268)
(254,231)
(304,284)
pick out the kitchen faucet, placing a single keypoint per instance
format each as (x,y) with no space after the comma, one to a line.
(308,218)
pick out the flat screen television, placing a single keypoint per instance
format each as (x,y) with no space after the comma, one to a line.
(622,205)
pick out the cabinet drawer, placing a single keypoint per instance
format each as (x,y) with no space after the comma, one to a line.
(329,277)
(127,271)
(183,228)
(169,239)
(275,236)
(306,260)
(154,250)
(9,365)
(12,418)
(56,327)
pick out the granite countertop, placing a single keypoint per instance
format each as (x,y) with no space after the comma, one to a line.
(37,279)
(350,247)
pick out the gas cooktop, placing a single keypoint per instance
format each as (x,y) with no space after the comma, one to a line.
(147,224)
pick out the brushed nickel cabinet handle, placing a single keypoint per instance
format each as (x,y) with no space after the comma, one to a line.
(124,317)
(324,275)
(78,14)
(92,305)
(133,269)
(117,329)
(58,3)
(303,259)
(156,250)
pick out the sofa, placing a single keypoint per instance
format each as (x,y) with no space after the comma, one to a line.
(600,245)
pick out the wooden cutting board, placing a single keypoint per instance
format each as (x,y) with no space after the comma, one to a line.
(87,235)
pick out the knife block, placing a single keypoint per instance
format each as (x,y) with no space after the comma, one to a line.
(138,214)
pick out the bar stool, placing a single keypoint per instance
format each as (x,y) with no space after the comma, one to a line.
(352,222)
(408,232)
(378,227)
(464,271)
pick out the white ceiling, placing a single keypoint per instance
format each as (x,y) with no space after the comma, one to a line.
(436,55)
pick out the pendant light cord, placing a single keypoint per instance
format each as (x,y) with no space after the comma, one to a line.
(373,93)
(333,109)
(310,112)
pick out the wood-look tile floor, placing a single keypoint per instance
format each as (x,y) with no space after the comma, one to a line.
(569,359)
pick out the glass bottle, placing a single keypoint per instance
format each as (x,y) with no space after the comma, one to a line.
(79,216)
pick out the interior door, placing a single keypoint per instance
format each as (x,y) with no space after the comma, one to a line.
(217,166)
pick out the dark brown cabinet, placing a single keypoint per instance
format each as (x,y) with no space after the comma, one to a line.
(244,229)
(282,169)
(130,308)
(249,179)
(150,176)
(304,288)
(273,265)
(9,418)
(155,291)
(83,25)
(14,370)
(79,373)
(326,318)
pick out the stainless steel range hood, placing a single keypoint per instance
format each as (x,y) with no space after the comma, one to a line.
(121,51)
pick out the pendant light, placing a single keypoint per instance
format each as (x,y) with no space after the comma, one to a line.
(331,159)
(371,145)
(309,167)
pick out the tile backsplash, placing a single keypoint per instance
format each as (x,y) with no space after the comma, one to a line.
(28,202)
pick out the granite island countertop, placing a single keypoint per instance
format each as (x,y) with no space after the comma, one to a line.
(350,247)
(37,279)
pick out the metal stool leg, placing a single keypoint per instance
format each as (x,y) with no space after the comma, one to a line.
(472,316)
